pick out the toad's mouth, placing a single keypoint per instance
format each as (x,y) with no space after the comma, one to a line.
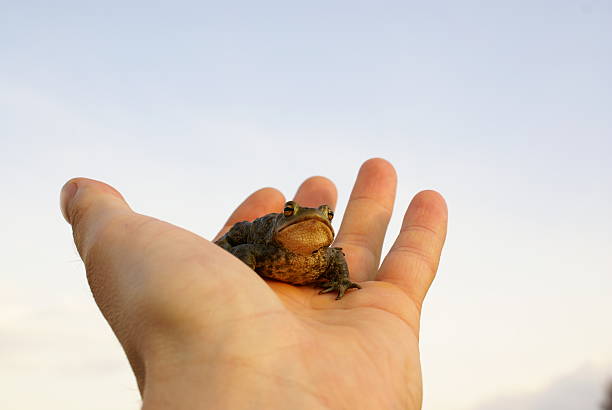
(315,217)
(306,235)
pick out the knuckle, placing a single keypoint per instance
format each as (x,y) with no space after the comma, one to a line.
(420,256)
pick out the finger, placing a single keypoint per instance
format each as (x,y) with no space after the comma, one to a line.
(317,191)
(87,205)
(259,203)
(413,259)
(101,221)
(127,254)
(366,218)
(149,278)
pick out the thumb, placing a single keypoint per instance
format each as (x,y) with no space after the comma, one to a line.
(101,225)
(135,263)
(89,206)
(100,218)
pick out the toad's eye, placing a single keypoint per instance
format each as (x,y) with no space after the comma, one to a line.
(330,215)
(288,211)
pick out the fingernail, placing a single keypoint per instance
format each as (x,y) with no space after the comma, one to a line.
(68,192)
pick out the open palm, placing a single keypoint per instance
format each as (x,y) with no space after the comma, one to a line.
(202,330)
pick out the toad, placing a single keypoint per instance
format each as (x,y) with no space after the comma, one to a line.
(293,247)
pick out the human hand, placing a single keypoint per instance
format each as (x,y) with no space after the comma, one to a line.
(202,330)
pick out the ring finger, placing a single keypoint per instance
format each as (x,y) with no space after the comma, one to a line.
(366,218)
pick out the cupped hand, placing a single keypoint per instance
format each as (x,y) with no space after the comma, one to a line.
(201,330)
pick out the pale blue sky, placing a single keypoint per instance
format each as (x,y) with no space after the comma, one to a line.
(186,107)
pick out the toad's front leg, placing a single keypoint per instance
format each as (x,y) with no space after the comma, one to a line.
(247,253)
(336,277)
(254,255)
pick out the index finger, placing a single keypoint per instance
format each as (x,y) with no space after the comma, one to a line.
(259,203)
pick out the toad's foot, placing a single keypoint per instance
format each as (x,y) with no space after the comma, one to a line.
(341,285)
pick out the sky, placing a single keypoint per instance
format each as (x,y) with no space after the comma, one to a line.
(187,107)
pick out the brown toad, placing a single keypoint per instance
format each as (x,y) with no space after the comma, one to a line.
(292,247)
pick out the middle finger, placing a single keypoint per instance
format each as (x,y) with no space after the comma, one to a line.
(317,191)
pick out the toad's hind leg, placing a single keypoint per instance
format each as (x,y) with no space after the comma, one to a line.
(336,278)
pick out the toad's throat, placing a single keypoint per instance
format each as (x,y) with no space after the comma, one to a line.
(306,236)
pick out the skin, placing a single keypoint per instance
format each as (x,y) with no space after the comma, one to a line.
(201,330)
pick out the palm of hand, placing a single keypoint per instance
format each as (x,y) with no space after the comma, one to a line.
(272,341)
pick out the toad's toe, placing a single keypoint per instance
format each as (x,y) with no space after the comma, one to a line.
(341,286)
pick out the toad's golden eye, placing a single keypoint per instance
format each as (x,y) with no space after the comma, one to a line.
(288,211)
(330,214)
